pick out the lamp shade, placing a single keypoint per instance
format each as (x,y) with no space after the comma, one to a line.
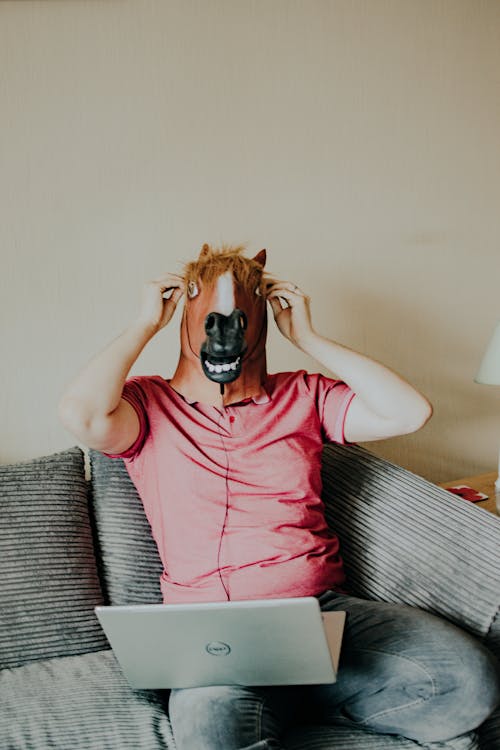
(489,370)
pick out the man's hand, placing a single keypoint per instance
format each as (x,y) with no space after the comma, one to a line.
(385,405)
(294,319)
(157,309)
(92,407)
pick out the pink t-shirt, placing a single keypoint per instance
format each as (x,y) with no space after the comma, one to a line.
(233,494)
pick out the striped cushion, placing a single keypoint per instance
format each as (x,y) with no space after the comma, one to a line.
(48,578)
(405,540)
(84,702)
(79,703)
(131,566)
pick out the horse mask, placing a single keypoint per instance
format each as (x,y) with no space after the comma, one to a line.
(223,328)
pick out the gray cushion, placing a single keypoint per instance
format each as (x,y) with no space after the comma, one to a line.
(85,703)
(131,566)
(48,578)
(403,539)
(79,703)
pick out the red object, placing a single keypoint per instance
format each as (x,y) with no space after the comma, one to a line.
(468,493)
(241,497)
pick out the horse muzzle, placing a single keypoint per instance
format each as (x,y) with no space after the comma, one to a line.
(222,351)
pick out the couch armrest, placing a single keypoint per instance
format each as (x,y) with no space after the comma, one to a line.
(403,539)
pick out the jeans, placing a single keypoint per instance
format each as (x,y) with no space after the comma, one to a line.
(402,672)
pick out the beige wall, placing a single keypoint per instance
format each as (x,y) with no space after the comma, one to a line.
(357,141)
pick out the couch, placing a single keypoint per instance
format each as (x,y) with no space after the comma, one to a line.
(73,535)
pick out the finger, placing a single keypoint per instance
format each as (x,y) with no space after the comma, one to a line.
(286,294)
(176,295)
(279,283)
(285,286)
(276,306)
(169,281)
(172,294)
(269,281)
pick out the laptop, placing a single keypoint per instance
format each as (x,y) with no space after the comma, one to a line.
(257,642)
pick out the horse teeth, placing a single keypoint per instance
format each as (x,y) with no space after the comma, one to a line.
(222,368)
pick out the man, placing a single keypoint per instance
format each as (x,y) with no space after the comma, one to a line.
(229,479)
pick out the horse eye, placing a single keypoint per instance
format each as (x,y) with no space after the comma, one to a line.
(192,289)
(258,293)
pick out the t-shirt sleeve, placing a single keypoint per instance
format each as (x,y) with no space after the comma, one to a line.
(135,392)
(332,399)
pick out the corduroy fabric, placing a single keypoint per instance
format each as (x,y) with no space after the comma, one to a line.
(48,577)
(130,563)
(79,703)
(403,539)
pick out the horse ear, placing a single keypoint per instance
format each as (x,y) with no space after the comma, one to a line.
(205,250)
(260,258)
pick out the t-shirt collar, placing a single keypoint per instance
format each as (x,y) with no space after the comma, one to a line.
(262,397)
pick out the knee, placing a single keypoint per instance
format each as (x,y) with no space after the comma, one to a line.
(435,680)
(465,692)
(474,690)
(436,696)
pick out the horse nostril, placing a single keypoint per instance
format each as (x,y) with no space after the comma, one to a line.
(209,323)
(243,320)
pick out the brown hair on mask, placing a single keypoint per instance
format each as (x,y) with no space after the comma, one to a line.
(213,262)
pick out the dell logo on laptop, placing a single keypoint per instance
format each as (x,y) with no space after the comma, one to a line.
(218,648)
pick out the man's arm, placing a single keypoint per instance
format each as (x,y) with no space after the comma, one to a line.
(385,404)
(92,407)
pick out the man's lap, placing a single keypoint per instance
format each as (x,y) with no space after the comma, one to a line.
(405,671)
(402,671)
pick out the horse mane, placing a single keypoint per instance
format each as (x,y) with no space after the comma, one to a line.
(213,262)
